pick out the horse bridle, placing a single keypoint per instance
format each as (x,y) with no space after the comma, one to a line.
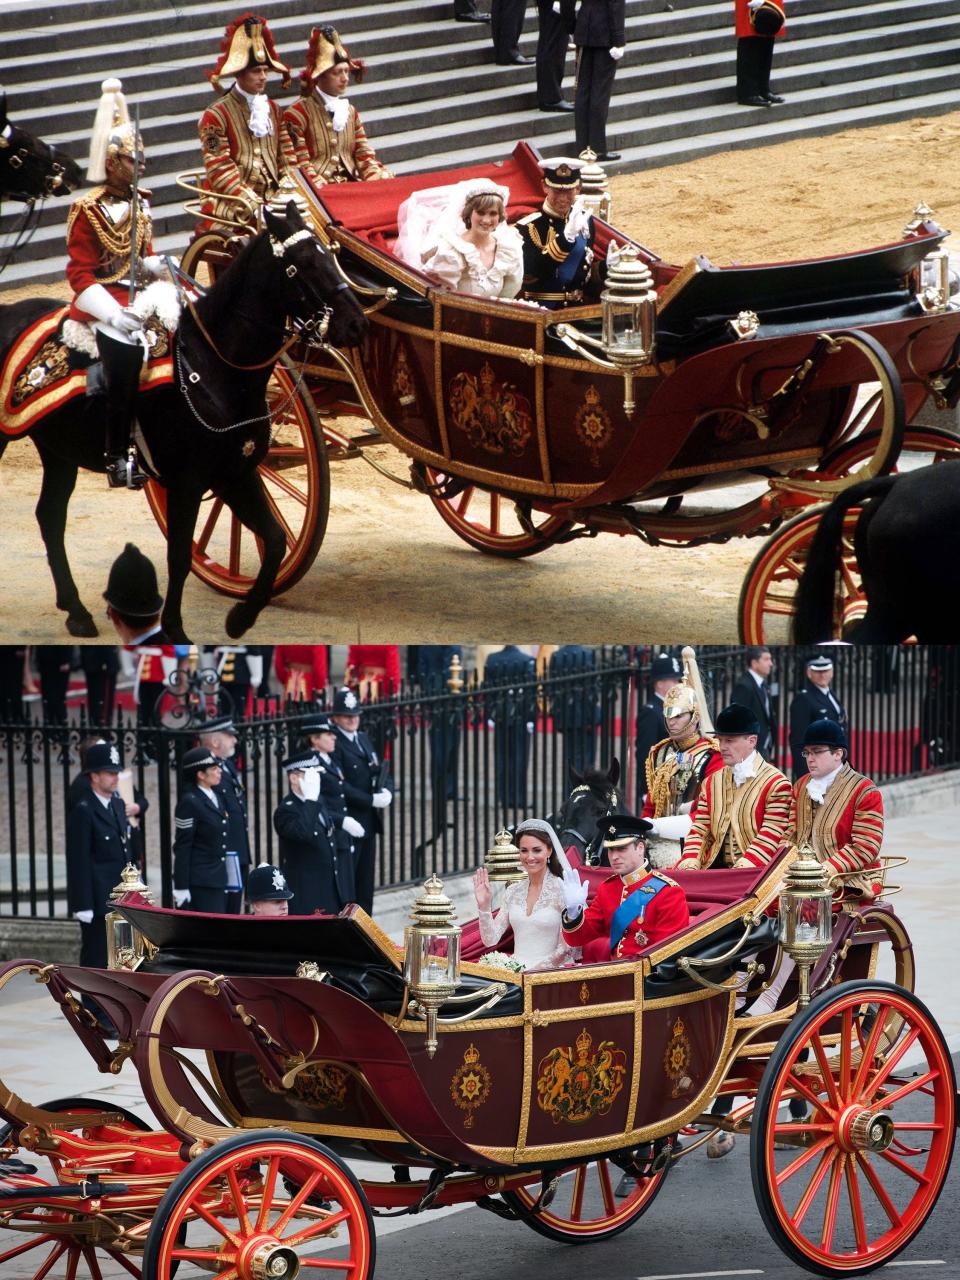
(17,155)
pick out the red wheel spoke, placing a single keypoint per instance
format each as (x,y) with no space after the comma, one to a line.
(209,524)
(846,1037)
(869,1053)
(920,1126)
(328,1264)
(888,1100)
(902,1165)
(896,1056)
(126,1263)
(317,1228)
(820,1173)
(879,1190)
(463,502)
(196,1255)
(236,534)
(93,1264)
(603,1172)
(239,1201)
(802,1088)
(796,1165)
(296,1202)
(281,481)
(856,1205)
(203,1212)
(833,1199)
(55,1254)
(825,1070)
(16,1251)
(73,1261)
(494,513)
(576,1199)
(287,451)
(269,1185)
(289,536)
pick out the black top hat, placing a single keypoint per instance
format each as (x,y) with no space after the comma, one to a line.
(346,703)
(737,719)
(315,722)
(825,733)
(306,759)
(819,662)
(132,585)
(218,724)
(266,884)
(198,758)
(663,666)
(623,828)
(102,757)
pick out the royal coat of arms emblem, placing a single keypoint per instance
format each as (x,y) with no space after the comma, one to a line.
(493,415)
(577,1085)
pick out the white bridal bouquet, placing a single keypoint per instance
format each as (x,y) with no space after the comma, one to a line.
(500,960)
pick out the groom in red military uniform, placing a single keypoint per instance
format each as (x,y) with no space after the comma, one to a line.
(634,908)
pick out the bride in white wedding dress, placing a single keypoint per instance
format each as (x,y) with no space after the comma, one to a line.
(531,907)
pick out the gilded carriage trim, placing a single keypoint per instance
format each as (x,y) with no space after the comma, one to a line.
(322,1085)
(493,415)
(677,1058)
(401,379)
(639,975)
(470,1084)
(540,407)
(332,1130)
(574,1090)
(680,281)
(438,397)
(738,464)
(526,1086)
(330,372)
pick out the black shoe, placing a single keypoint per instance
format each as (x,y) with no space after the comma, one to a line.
(562,105)
(774,99)
(473,17)
(756,101)
(518,60)
(608,157)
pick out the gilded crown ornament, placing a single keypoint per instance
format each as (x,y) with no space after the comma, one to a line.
(502,859)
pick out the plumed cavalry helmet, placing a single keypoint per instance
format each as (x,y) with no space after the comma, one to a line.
(688,695)
(113,133)
(247,42)
(324,51)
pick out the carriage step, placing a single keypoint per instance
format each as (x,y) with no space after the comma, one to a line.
(493,1205)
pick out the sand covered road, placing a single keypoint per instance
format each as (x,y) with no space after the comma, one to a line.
(390,569)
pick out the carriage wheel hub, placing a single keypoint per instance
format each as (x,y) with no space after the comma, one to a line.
(265,1259)
(860,1129)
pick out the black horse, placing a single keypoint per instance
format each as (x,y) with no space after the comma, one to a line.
(29,168)
(210,429)
(593,797)
(907,544)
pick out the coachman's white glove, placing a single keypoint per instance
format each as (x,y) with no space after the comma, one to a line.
(616,53)
(382,798)
(310,784)
(85,917)
(181,897)
(574,892)
(353,828)
(673,828)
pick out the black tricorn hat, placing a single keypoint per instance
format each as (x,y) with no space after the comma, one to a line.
(825,733)
(623,828)
(132,585)
(102,757)
(266,883)
(736,719)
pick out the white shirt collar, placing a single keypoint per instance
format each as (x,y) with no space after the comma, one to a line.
(104,800)
(339,108)
(817,788)
(207,792)
(745,769)
(759,679)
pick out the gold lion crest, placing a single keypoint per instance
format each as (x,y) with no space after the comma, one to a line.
(577,1088)
(676,1060)
(593,426)
(319,1085)
(470,1085)
(493,415)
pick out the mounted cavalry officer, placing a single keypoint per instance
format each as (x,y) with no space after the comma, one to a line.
(322,133)
(110,258)
(677,767)
(240,132)
(558,239)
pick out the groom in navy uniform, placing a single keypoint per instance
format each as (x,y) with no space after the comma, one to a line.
(557,239)
(362,786)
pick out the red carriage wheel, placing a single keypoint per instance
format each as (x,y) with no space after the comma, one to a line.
(933,444)
(766,608)
(860,1176)
(296,476)
(264,1204)
(585,1208)
(488,521)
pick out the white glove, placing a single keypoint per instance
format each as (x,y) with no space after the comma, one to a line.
(181,897)
(529,726)
(310,784)
(102,305)
(616,54)
(754,5)
(156,266)
(491,724)
(673,828)
(382,798)
(574,892)
(85,917)
(353,828)
(556,6)
(578,220)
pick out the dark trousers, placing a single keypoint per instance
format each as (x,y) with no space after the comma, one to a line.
(512,750)
(365,868)
(551,54)
(506,23)
(203,898)
(595,72)
(93,955)
(754,61)
(444,753)
(464,8)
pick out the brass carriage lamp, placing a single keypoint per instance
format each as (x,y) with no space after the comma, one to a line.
(629,311)
(933,284)
(431,960)
(806,915)
(126,946)
(502,859)
(593,186)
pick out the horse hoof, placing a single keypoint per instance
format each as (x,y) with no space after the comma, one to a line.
(240,619)
(82,624)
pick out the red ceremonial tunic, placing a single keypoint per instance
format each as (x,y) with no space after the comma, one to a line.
(846,829)
(745,26)
(98,249)
(729,823)
(671,783)
(237,163)
(667,914)
(311,143)
(154,661)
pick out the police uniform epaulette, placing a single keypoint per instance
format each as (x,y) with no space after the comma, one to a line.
(531,217)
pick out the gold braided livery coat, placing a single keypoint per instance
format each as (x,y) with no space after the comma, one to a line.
(730,822)
(846,830)
(311,144)
(237,163)
(670,783)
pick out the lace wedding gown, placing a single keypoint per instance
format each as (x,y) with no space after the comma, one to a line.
(537,941)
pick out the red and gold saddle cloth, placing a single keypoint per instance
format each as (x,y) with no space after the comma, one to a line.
(41,372)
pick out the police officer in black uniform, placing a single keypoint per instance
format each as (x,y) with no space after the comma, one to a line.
(575,709)
(320,736)
(429,667)
(557,239)
(665,672)
(200,844)
(308,853)
(220,735)
(815,701)
(364,788)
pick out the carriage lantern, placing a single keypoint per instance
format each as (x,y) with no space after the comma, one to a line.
(431,961)
(502,859)
(806,920)
(593,185)
(126,946)
(933,285)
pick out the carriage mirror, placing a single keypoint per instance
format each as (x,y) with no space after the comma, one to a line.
(806,919)
(126,946)
(431,960)
(502,859)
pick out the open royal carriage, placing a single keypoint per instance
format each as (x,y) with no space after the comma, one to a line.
(527,427)
(273,1050)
